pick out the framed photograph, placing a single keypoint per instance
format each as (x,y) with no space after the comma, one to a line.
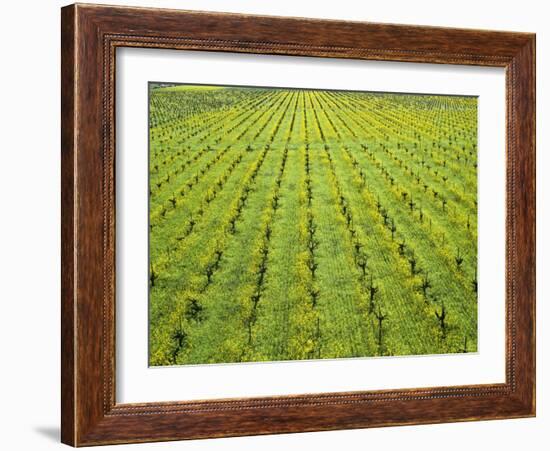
(279,225)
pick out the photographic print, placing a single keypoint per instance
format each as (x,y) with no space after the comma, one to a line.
(294,224)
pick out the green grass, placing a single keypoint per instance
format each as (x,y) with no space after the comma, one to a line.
(187,88)
(301,224)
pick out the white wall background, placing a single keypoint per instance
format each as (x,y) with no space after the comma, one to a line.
(29,246)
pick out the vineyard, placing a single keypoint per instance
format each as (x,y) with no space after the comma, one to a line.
(289,224)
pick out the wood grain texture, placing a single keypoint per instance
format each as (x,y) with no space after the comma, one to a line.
(68,313)
(90,36)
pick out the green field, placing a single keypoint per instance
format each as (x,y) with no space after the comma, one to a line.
(290,224)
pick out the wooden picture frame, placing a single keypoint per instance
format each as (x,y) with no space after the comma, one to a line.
(90,35)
